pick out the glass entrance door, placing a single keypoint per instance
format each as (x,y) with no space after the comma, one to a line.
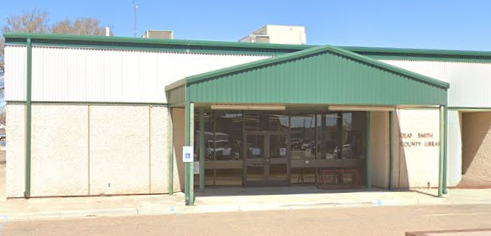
(267,159)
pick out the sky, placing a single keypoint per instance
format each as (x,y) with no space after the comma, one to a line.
(435,24)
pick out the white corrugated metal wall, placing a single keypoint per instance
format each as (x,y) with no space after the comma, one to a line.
(15,73)
(96,75)
(470,82)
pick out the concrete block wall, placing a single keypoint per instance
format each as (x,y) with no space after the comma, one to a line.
(89,150)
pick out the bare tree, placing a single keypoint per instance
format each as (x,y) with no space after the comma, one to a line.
(81,26)
(2,66)
(34,21)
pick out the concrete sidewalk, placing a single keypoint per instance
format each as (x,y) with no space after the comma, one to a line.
(229,200)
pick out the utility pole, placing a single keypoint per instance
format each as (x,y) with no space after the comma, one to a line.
(135,7)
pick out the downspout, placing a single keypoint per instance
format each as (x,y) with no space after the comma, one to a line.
(368,158)
(27,192)
(441,167)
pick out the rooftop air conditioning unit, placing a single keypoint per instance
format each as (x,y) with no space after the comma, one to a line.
(158,34)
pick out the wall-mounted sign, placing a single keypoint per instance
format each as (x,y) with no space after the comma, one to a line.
(419,140)
(187,154)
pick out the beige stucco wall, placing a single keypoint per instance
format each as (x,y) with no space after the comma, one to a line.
(59,150)
(379,150)
(416,162)
(476,140)
(178,121)
(89,150)
(119,150)
(159,151)
(15,169)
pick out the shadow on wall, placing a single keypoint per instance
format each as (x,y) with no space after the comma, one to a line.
(476,150)
(401,173)
(179,138)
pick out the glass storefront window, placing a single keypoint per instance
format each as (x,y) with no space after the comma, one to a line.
(353,135)
(302,141)
(208,134)
(328,136)
(266,121)
(300,135)
(228,136)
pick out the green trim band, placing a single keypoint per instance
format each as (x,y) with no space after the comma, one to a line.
(145,43)
(470,108)
(200,46)
(90,103)
(431,58)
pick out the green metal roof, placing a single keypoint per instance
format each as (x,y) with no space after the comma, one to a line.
(198,46)
(320,75)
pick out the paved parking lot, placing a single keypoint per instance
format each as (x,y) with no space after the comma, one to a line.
(359,221)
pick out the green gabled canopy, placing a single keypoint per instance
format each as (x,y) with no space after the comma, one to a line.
(320,75)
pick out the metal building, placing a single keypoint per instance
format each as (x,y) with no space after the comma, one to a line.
(110,115)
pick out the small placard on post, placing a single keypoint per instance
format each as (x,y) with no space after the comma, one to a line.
(187,154)
(196,168)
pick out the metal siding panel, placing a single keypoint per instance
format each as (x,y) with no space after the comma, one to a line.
(94,74)
(148,77)
(470,82)
(15,73)
(97,75)
(113,76)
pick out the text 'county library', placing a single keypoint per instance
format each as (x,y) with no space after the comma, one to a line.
(111,115)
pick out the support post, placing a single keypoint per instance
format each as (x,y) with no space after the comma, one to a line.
(201,149)
(368,158)
(171,153)
(27,192)
(442,153)
(391,150)
(444,140)
(189,175)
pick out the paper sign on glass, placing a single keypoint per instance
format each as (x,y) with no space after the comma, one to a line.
(282,151)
